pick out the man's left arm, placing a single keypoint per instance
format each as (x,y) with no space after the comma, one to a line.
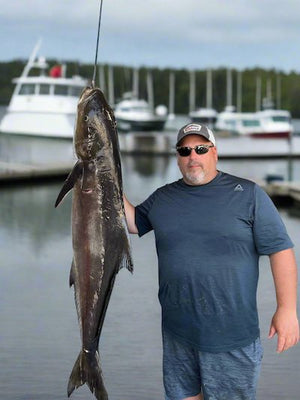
(285,322)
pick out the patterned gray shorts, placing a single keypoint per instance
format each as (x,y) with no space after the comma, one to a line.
(231,375)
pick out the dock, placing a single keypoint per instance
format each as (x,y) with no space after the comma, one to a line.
(283,192)
(45,159)
(14,172)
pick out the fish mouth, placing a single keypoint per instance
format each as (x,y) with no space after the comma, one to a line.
(88,94)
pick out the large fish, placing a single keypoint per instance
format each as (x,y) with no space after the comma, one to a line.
(99,233)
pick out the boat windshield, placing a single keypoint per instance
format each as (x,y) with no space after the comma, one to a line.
(135,108)
(61,90)
(44,89)
(47,89)
(75,91)
(27,88)
(64,90)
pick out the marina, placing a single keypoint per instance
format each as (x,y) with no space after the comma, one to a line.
(39,329)
(158,70)
(36,246)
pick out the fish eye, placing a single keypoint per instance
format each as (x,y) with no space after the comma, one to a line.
(86,118)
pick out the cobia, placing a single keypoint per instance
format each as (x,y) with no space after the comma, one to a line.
(99,233)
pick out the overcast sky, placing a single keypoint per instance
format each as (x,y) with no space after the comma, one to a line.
(164,33)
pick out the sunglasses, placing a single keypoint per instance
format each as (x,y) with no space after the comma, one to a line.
(185,151)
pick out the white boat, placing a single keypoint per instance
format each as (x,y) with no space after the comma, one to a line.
(134,114)
(206,116)
(261,124)
(274,124)
(237,123)
(43,105)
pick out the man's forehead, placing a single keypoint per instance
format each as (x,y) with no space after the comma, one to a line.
(194,139)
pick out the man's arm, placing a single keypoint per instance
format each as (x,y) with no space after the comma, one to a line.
(284,321)
(130,215)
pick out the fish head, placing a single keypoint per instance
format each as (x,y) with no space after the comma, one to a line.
(95,125)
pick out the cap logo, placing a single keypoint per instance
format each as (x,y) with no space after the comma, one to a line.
(192,127)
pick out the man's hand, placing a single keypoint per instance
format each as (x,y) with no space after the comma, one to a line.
(284,321)
(286,325)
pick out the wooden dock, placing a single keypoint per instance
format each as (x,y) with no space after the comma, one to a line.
(13,172)
(282,192)
(146,143)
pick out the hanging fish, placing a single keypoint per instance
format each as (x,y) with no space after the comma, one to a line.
(100,237)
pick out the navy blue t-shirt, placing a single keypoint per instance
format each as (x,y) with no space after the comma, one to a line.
(208,240)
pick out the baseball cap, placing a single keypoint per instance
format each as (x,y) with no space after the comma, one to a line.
(196,129)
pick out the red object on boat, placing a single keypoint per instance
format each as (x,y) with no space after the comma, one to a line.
(56,71)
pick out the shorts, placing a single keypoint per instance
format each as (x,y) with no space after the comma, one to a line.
(231,375)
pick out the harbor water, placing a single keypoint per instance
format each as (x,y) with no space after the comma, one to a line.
(39,333)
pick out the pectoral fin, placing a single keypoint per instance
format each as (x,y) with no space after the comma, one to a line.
(71,277)
(74,175)
(127,257)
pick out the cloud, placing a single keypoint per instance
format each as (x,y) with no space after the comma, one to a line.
(143,28)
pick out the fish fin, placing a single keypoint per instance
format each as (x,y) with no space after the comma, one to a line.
(129,263)
(87,370)
(127,258)
(69,182)
(71,278)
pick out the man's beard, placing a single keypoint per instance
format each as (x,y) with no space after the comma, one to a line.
(195,178)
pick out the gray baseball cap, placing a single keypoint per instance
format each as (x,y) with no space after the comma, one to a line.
(196,129)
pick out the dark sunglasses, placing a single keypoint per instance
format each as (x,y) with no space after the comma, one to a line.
(185,151)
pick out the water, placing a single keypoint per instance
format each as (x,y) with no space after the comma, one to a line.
(39,334)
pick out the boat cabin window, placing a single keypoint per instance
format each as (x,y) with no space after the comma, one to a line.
(44,89)
(26,89)
(231,123)
(75,91)
(206,120)
(64,90)
(61,90)
(251,122)
(140,108)
(280,118)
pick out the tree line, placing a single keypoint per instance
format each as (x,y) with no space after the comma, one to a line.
(123,80)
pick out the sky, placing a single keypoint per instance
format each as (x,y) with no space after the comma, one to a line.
(192,34)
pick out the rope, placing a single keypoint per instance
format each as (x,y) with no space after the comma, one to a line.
(97,45)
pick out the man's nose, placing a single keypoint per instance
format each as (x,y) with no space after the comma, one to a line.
(193,154)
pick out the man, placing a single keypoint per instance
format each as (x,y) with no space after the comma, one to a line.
(210,229)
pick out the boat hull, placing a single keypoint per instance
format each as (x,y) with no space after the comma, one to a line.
(271,135)
(39,124)
(133,125)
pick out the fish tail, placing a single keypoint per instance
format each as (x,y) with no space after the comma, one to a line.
(87,370)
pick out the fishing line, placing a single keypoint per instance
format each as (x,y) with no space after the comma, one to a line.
(97,45)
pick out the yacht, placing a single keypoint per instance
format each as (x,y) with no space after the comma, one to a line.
(237,123)
(134,114)
(274,124)
(206,116)
(43,104)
